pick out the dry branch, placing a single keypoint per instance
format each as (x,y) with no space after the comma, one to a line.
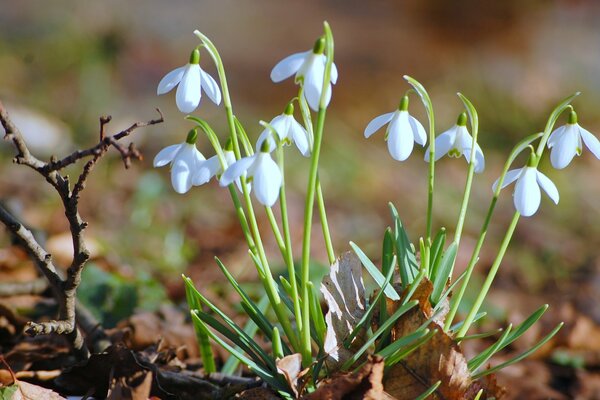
(64,289)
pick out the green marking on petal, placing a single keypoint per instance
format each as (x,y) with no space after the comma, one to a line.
(454,153)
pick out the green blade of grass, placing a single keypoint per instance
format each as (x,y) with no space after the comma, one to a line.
(401,342)
(260,370)
(429,391)
(393,318)
(522,355)
(366,318)
(405,351)
(485,355)
(443,272)
(374,272)
(251,329)
(407,261)
(515,333)
(437,250)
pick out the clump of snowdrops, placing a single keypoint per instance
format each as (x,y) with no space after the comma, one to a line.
(308,345)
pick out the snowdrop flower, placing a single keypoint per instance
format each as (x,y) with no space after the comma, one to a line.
(403,130)
(212,167)
(456,142)
(191,80)
(527,193)
(309,67)
(288,130)
(565,142)
(261,170)
(184,158)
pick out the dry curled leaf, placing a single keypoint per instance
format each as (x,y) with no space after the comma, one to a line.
(438,359)
(364,384)
(29,391)
(291,367)
(344,293)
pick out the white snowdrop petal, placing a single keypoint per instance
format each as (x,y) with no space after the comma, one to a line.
(443,144)
(170,80)
(206,170)
(548,186)
(377,122)
(564,148)
(211,87)
(166,155)
(527,193)
(479,159)
(313,83)
(556,134)
(183,168)
(400,137)
(300,137)
(266,135)
(334,73)
(281,124)
(509,178)
(288,66)
(235,170)
(590,141)
(267,180)
(188,91)
(418,131)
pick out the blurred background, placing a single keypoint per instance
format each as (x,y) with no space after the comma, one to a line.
(64,64)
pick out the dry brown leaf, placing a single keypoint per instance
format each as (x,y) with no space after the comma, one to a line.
(365,384)
(29,391)
(344,293)
(290,367)
(439,359)
(259,393)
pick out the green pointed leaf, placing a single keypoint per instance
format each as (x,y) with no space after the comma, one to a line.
(374,272)
(393,318)
(522,355)
(429,391)
(437,250)
(443,273)
(407,261)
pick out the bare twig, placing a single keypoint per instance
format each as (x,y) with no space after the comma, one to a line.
(64,289)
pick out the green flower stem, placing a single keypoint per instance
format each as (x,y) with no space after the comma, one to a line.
(474,120)
(305,112)
(309,205)
(270,285)
(276,231)
(324,223)
(490,277)
(564,105)
(289,257)
(239,210)
(522,145)
(224,88)
(426,100)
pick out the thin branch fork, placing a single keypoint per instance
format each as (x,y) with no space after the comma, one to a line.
(64,289)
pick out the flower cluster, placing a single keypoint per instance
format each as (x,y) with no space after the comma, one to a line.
(190,168)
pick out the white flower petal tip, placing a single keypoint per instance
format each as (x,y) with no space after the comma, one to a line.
(185,160)
(402,132)
(262,171)
(190,80)
(309,68)
(527,195)
(567,141)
